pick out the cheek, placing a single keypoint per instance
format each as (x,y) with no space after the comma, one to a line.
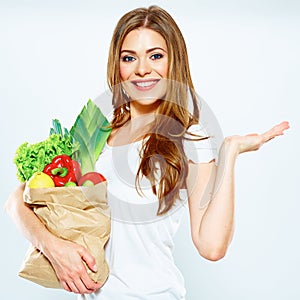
(124,72)
(163,69)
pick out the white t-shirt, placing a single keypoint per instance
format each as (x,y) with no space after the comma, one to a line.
(139,251)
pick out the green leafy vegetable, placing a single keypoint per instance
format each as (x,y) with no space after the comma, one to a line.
(91,130)
(57,129)
(31,158)
(84,143)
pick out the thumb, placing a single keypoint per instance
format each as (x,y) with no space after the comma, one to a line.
(89,260)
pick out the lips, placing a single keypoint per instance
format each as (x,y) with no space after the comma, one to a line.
(145,85)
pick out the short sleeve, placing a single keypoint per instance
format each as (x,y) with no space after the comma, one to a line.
(199,151)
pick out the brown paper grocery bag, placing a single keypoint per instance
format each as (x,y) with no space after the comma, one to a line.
(79,214)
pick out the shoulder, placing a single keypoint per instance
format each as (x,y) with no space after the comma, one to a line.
(203,140)
(201,144)
(200,151)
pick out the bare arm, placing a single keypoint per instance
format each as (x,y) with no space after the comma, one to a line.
(211,193)
(66,257)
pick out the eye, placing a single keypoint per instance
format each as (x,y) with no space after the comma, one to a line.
(156,56)
(127,58)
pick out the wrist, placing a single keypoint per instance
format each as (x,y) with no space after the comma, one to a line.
(46,243)
(231,147)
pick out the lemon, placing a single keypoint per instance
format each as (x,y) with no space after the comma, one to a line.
(40,180)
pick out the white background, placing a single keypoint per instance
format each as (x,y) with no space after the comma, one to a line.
(244,58)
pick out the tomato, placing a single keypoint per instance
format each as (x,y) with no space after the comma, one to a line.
(91,178)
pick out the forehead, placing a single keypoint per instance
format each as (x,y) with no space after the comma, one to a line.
(143,38)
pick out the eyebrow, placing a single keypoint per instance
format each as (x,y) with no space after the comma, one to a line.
(147,51)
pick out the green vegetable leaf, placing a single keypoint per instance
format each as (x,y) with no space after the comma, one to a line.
(91,130)
(57,129)
(31,158)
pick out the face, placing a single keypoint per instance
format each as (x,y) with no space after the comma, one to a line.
(144,66)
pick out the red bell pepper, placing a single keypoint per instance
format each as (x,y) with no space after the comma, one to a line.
(63,169)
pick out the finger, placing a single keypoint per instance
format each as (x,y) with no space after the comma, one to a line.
(98,285)
(73,287)
(81,287)
(89,283)
(275,131)
(285,125)
(281,127)
(89,259)
(66,287)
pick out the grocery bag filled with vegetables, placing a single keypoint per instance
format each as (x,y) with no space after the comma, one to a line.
(66,193)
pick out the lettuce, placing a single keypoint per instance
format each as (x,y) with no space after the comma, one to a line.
(31,158)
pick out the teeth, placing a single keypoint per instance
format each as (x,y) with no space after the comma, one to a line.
(144,83)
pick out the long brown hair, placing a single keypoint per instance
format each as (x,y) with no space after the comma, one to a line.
(164,144)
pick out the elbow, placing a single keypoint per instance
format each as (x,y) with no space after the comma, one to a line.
(213,249)
(212,252)
(212,255)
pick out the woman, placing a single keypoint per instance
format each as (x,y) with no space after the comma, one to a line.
(156,124)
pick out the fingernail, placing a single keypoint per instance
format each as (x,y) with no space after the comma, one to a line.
(95,268)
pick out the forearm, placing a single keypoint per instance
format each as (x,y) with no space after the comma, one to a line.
(217,224)
(26,221)
(65,256)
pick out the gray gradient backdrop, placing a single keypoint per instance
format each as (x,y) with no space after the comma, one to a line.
(244,58)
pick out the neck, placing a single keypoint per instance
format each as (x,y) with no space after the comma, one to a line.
(139,124)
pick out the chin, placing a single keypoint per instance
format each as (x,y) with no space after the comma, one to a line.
(146,101)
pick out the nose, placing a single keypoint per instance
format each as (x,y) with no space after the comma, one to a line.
(142,67)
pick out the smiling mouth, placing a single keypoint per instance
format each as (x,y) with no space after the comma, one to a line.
(145,84)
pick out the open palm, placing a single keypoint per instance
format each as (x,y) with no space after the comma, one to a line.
(253,141)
